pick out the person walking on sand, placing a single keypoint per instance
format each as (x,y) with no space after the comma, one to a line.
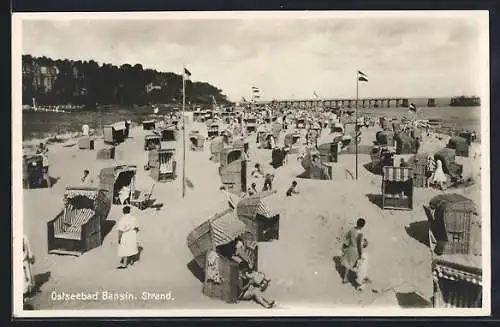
(86,179)
(268,183)
(352,248)
(128,228)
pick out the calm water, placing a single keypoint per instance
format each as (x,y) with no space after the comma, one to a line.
(454,118)
(41,124)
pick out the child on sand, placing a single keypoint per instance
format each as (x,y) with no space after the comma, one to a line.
(292,189)
(252,190)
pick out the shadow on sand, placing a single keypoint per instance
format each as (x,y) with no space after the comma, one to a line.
(303,175)
(375,199)
(419,231)
(41,279)
(189,184)
(107,227)
(54,180)
(137,257)
(412,300)
(341,270)
(196,270)
(369,167)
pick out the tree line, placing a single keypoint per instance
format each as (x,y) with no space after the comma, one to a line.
(90,84)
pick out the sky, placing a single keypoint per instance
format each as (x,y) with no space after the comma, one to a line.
(284,58)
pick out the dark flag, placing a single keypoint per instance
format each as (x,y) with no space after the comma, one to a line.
(187,72)
(412,108)
(362,76)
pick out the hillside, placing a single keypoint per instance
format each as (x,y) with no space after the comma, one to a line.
(66,81)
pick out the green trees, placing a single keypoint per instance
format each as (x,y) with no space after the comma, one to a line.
(53,82)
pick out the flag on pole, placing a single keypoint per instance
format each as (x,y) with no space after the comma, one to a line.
(412,108)
(187,73)
(315,95)
(362,76)
(256,96)
(255,90)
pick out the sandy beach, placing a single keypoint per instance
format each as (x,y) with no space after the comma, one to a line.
(301,263)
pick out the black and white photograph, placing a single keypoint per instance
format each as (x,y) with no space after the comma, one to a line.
(251,164)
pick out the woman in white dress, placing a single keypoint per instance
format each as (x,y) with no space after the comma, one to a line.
(128,227)
(439,178)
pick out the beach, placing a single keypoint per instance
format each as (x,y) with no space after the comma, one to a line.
(38,124)
(302,263)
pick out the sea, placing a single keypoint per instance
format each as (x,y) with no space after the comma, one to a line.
(38,124)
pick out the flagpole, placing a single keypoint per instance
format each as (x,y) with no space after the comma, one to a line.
(183,132)
(356,123)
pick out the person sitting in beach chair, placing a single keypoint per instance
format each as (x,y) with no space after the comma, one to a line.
(124,194)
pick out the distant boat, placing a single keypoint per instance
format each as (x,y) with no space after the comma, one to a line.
(463,101)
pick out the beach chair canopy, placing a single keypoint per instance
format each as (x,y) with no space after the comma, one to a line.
(119,126)
(457,141)
(455,214)
(264,204)
(220,229)
(152,136)
(397,174)
(87,197)
(453,201)
(447,157)
(226,229)
(111,173)
(448,270)
(88,192)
